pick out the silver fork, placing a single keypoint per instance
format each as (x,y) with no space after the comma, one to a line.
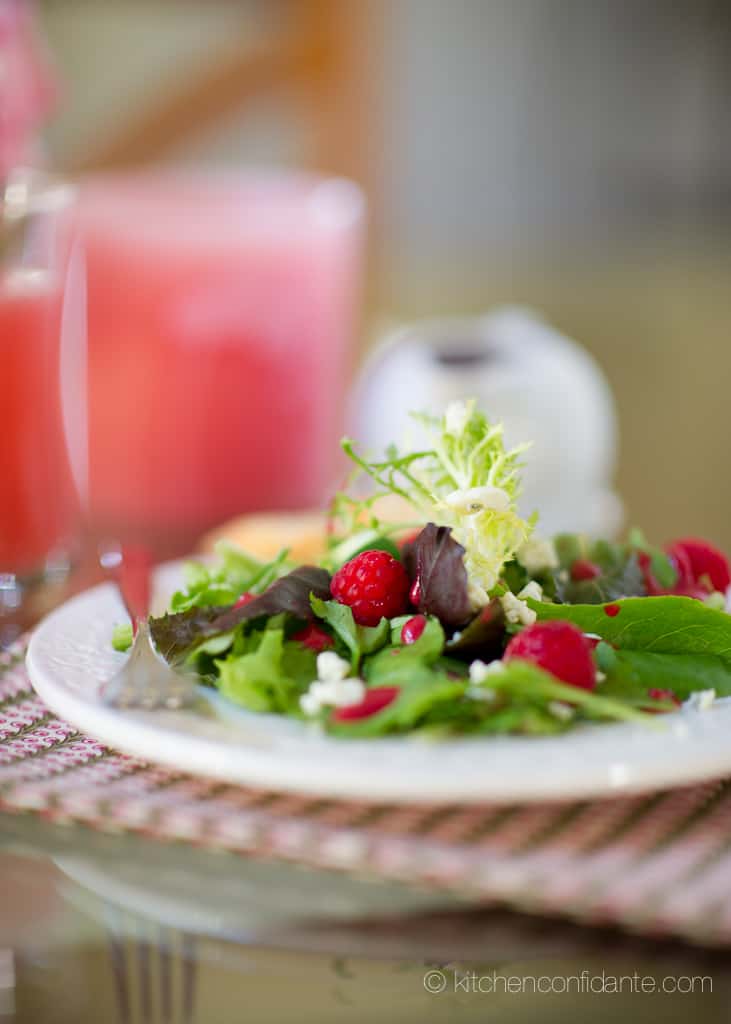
(145,680)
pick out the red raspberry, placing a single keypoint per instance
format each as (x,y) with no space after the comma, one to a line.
(412,630)
(704,561)
(376,699)
(700,567)
(374,584)
(557,647)
(314,637)
(583,569)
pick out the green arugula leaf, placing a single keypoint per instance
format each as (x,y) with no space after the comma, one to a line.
(525,719)
(523,679)
(424,694)
(357,640)
(428,647)
(666,625)
(630,674)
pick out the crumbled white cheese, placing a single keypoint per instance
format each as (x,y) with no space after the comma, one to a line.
(480,693)
(533,590)
(479,671)
(477,595)
(537,554)
(332,688)
(715,600)
(560,709)
(517,611)
(331,667)
(456,417)
(601,676)
(472,500)
(336,693)
(701,700)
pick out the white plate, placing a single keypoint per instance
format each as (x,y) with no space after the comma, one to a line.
(70,655)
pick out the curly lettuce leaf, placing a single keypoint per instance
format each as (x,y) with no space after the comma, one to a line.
(465,454)
(210,585)
(270,677)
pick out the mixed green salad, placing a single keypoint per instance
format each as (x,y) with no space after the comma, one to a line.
(459,618)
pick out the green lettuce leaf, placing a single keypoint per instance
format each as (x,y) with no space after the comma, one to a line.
(122,637)
(270,677)
(630,674)
(666,625)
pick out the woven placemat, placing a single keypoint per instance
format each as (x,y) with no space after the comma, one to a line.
(658,864)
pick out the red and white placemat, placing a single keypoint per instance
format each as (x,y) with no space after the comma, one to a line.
(658,864)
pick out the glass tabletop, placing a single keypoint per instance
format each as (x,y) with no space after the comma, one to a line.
(97,927)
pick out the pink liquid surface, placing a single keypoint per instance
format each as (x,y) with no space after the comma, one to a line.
(220,318)
(37,501)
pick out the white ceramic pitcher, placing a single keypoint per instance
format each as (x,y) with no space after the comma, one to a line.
(543,386)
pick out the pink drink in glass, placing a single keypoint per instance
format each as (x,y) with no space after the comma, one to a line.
(38,508)
(41,376)
(221,312)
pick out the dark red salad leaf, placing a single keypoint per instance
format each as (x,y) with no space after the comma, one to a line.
(435,564)
(290,593)
(483,637)
(175,635)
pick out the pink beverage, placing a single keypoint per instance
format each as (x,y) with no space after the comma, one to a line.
(221,312)
(37,504)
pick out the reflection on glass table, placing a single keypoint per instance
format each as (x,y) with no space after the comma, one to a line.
(97,928)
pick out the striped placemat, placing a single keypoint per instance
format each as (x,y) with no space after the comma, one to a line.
(657,864)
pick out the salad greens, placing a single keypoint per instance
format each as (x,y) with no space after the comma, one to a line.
(272,636)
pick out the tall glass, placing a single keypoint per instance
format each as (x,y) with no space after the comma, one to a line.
(221,314)
(41,348)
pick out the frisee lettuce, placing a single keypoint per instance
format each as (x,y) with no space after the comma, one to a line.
(464,479)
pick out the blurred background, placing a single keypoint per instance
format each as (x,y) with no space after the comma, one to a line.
(569,155)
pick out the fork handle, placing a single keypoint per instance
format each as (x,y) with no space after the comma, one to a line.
(133,578)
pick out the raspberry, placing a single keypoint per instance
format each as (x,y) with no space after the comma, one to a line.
(703,561)
(314,637)
(557,647)
(376,699)
(374,584)
(700,567)
(412,630)
(583,569)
